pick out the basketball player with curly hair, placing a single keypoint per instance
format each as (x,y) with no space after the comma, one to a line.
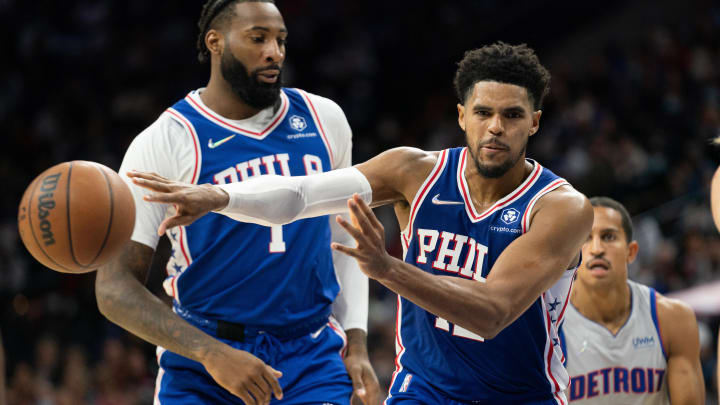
(491,240)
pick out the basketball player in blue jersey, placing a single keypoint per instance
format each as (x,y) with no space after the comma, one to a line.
(252,304)
(491,240)
(623,342)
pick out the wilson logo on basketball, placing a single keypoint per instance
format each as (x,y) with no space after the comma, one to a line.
(46,202)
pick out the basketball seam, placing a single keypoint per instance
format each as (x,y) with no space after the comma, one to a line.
(32,230)
(69,223)
(110,220)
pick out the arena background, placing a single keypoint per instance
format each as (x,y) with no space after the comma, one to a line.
(635,99)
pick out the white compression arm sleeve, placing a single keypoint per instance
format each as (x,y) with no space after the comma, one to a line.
(276,200)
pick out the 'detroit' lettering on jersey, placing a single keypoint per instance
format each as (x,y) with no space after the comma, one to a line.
(625,368)
(245,273)
(524,361)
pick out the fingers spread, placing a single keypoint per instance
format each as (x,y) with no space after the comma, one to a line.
(347,250)
(368,212)
(359,217)
(354,232)
(147,176)
(165,197)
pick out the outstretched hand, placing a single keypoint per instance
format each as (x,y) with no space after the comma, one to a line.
(368,232)
(191,201)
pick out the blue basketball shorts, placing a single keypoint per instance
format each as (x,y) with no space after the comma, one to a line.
(410,389)
(312,367)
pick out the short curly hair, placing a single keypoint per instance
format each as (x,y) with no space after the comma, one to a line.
(504,63)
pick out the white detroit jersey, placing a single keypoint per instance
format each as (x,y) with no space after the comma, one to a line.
(625,368)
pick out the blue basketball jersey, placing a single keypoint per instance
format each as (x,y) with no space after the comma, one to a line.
(222,269)
(447,236)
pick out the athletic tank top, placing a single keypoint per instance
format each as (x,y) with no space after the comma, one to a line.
(447,236)
(626,368)
(222,269)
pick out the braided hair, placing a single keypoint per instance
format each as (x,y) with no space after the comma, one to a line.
(213,12)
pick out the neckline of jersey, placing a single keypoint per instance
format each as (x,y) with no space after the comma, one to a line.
(241,126)
(506,200)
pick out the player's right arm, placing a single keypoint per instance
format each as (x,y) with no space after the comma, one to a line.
(392,176)
(123,298)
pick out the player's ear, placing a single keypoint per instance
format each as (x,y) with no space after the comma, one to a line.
(535,122)
(461,116)
(215,41)
(633,248)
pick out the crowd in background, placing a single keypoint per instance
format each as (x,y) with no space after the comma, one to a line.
(632,108)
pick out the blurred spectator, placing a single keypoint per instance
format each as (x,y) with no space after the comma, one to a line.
(3,391)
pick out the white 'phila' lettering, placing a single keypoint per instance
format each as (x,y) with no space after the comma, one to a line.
(270,164)
(426,246)
(453,253)
(452,249)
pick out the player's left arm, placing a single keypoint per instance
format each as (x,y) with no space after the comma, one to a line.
(529,266)
(350,307)
(679,332)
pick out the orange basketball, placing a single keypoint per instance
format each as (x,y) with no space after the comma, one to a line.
(76,216)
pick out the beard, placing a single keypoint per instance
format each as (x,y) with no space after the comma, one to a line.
(496,171)
(246,85)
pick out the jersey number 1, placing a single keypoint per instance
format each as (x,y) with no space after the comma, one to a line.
(277,244)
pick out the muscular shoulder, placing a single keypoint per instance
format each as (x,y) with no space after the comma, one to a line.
(677,321)
(567,203)
(396,174)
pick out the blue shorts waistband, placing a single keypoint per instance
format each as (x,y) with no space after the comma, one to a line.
(284,332)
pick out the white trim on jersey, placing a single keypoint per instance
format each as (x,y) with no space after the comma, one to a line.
(159,351)
(503,202)
(335,326)
(193,99)
(561,317)
(174,114)
(318,124)
(550,360)
(550,187)
(399,348)
(430,180)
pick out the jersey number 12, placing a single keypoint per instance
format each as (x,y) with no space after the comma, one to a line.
(277,244)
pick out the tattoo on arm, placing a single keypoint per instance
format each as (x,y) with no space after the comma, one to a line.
(123,298)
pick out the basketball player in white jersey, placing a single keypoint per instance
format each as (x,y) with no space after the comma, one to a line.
(491,240)
(625,343)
